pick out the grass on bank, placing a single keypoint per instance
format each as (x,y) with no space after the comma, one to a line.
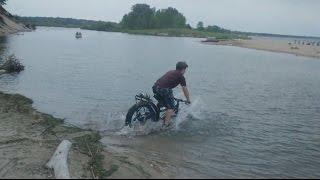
(184,32)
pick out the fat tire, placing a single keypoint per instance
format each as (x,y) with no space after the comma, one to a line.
(137,106)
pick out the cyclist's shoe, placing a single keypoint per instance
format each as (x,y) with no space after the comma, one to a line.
(167,126)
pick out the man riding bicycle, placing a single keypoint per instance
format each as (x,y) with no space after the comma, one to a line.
(163,88)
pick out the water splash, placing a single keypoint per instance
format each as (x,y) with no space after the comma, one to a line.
(186,113)
(194,110)
(98,119)
(137,130)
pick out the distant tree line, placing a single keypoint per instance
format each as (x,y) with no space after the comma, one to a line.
(56,22)
(69,23)
(142,19)
(102,26)
(214,28)
(142,16)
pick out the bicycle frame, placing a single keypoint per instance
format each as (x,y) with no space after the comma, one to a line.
(146,98)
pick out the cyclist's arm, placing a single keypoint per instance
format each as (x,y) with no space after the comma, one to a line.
(186,93)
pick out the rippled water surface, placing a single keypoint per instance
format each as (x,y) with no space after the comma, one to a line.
(255,113)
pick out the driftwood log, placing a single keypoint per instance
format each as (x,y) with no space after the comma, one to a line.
(58,162)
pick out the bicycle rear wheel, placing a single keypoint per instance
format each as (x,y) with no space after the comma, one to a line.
(140,113)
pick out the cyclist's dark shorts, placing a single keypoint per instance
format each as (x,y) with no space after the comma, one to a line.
(166,94)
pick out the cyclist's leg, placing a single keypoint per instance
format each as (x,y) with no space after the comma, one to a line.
(169,103)
(167,121)
(159,96)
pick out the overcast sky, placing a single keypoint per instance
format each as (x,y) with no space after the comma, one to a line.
(295,17)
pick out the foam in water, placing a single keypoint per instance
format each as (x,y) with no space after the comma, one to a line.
(138,130)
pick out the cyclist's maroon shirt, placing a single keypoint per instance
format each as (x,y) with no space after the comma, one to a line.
(171,80)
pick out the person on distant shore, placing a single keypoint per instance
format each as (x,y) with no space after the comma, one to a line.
(163,88)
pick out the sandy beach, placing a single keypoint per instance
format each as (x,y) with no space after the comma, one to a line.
(273,45)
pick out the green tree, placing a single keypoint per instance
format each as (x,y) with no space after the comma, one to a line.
(200,26)
(217,29)
(169,18)
(188,26)
(144,17)
(140,17)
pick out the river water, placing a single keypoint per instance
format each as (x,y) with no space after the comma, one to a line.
(255,114)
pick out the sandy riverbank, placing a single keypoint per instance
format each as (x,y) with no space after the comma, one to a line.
(273,45)
(29,138)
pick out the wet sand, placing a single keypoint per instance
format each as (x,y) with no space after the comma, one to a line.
(273,45)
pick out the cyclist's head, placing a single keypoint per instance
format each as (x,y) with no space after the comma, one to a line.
(181,66)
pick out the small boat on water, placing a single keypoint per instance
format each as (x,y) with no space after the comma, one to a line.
(211,39)
(78,35)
